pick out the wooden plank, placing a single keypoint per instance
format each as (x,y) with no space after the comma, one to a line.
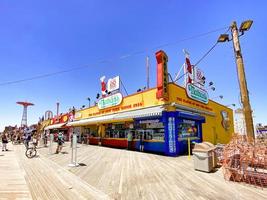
(126,174)
(47,180)
(12,181)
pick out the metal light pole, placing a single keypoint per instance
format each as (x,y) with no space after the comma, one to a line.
(89,100)
(241,72)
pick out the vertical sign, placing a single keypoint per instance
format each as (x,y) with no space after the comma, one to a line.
(171,129)
(188,71)
(162,75)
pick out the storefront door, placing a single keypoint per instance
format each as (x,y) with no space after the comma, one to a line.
(189,131)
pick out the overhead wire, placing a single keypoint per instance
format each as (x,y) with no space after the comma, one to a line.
(204,56)
(106,60)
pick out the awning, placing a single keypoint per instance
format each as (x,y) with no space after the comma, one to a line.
(54,126)
(194,110)
(146,112)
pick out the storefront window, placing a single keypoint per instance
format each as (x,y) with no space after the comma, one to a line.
(151,134)
(188,128)
(115,131)
(152,129)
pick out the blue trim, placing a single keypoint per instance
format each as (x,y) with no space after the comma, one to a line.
(171,120)
(137,120)
(157,147)
(170,132)
(192,117)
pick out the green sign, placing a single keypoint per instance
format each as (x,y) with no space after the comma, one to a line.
(197,93)
(110,101)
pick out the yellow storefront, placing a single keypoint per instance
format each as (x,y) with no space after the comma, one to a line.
(161,119)
(144,106)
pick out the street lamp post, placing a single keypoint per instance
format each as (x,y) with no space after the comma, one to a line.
(89,100)
(241,72)
(230,105)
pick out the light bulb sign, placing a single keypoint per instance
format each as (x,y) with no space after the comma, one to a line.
(113,84)
(110,101)
(197,93)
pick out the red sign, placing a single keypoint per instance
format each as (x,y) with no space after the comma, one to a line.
(162,75)
(60,119)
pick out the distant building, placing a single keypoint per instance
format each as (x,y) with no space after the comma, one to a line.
(261,130)
(240,124)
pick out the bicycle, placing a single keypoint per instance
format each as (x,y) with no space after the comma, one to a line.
(31,151)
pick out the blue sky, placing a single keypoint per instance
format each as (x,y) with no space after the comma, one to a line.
(39,37)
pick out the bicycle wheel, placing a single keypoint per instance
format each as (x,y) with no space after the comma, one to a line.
(30,152)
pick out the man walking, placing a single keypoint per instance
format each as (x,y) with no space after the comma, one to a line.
(60,141)
(130,139)
(142,141)
(45,138)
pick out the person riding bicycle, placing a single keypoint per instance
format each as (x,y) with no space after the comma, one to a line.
(60,141)
(35,140)
(28,138)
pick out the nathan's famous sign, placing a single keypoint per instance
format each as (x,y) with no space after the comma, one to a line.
(194,82)
(110,93)
(110,101)
(197,93)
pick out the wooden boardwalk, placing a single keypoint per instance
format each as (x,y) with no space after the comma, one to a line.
(12,181)
(112,174)
(49,181)
(123,174)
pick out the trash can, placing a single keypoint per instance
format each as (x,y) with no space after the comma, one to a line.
(204,158)
(214,155)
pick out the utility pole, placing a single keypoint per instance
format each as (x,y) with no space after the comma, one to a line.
(242,81)
(147,72)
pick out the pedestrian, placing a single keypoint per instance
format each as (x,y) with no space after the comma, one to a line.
(129,138)
(60,141)
(141,141)
(45,138)
(35,140)
(4,142)
(18,138)
(28,139)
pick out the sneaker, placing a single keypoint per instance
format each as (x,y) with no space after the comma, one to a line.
(6,149)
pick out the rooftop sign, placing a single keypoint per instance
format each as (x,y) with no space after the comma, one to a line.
(113,84)
(197,93)
(110,101)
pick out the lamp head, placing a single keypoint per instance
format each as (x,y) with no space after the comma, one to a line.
(245,26)
(223,38)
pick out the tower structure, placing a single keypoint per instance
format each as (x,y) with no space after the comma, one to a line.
(24,114)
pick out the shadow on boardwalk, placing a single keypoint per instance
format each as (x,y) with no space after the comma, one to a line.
(123,174)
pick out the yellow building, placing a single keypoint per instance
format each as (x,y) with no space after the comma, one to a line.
(160,119)
(142,113)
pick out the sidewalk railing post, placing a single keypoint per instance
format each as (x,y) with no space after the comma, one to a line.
(51,143)
(73,162)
